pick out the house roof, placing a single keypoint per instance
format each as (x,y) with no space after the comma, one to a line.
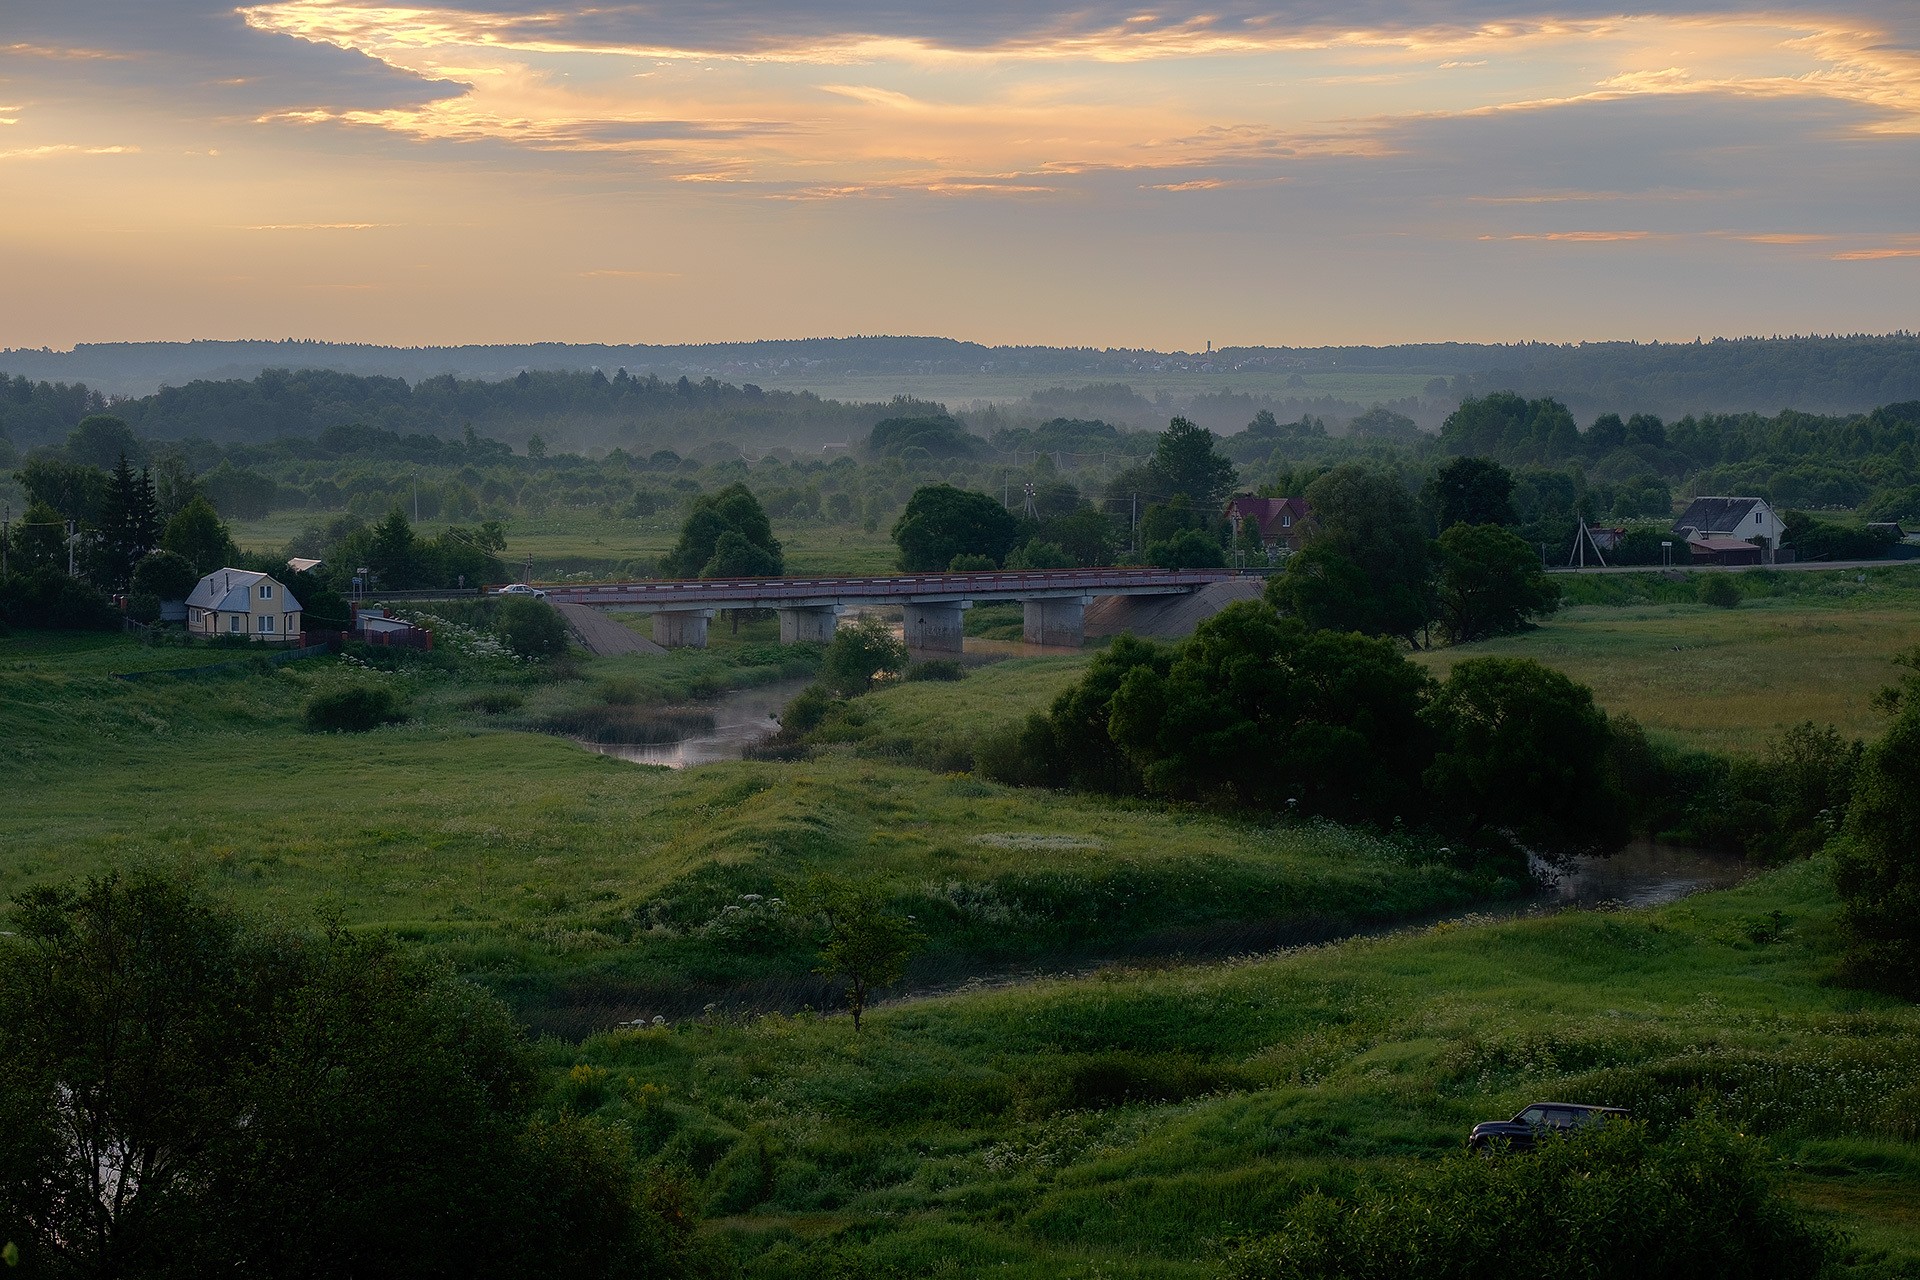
(1709,543)
(232,589)
(1717,515)
(1269,513)
(301,564)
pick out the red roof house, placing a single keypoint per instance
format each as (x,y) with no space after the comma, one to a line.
(1285,524)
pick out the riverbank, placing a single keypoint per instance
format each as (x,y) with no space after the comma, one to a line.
(1134,1121)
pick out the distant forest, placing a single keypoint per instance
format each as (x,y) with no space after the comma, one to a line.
(1849,374)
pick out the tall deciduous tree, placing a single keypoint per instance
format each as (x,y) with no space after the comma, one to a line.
(1369,569)
(1490,583)
(1259,706)
(1469,491)
(941,522)
(197,534)
(1524,751)
(733,509)
(99,439)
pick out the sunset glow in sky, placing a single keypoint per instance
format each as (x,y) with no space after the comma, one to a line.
(1298,171)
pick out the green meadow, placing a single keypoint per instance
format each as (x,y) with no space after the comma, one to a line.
(1130,1039)
(1800,646)
(1135,1121)
(589,890)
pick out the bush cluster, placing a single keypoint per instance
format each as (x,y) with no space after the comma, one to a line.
(1258,712)
(354,709)
(1613,1201)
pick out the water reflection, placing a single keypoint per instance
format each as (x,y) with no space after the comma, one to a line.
(1644,874)
(720,730)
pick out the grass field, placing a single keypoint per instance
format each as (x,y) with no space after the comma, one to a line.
(585,887)
(1728,679)
(1132,1122)
(1128,1122)
(597,544)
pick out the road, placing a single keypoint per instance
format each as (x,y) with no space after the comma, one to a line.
(1828,565)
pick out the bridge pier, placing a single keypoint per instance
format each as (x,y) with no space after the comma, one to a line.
(1057,621)
(812,625)
(938,627)
(681,628)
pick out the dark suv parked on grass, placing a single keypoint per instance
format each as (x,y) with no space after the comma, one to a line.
(1525,1129)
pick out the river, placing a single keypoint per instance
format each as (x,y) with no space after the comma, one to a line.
(1643,874)
(708,732)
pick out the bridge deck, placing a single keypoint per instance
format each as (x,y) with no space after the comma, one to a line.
(927,588)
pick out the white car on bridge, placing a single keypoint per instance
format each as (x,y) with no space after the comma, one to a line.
(521,589)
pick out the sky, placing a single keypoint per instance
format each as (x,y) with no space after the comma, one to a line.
(1296,172)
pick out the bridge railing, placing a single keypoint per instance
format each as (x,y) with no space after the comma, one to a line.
(984,585)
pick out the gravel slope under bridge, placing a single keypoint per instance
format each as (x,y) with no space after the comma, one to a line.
(602,636)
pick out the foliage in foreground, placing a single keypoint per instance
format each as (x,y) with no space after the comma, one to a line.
(183,1095)
(1612,1201)
(1877,860)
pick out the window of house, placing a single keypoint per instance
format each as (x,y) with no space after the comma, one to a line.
(266,625)
(233,623)
(266,591)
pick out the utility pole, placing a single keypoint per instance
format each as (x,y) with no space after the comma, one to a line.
(6,537)
(416,497)
(1133,522)
(71,571)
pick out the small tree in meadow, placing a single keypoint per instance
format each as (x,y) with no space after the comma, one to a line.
(864,943)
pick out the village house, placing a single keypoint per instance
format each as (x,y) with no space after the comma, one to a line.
(1730,530)
(240,602)
(1284,524)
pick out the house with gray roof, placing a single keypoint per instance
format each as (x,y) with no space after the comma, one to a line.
(1748,520)
(240,602)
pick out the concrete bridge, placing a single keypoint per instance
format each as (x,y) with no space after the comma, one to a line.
(1055,601)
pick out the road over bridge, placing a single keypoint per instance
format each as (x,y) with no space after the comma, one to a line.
(1055,600)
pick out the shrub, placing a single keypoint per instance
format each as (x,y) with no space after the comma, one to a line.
(1720,591)
(861,651)
(968,562)
(1611,1201)
(56,602)
(532,628)
(807,711)
(355,709)
(292,1106)
(1187,549)
(1021,755)
(1041,555)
